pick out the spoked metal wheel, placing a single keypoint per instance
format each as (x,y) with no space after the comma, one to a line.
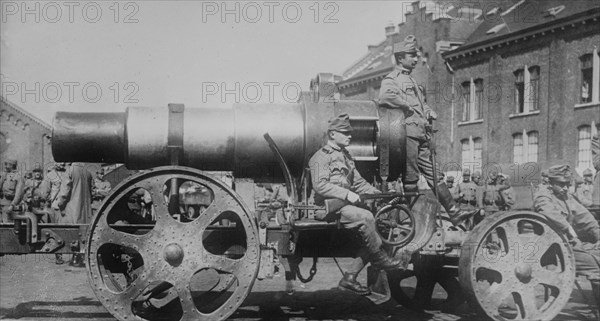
(169,267)
(395,224)
(517,266)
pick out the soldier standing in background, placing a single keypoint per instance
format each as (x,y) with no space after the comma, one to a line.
(498,194)
(76,200)
(34,194)
(452,188)
(11,189)
(585,190)
(400,90)
(468,193)
(507,192)
(100,189)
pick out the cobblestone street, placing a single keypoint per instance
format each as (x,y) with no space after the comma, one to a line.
(34,288)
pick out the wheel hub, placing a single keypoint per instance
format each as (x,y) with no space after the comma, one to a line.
(173,254)
(523,272)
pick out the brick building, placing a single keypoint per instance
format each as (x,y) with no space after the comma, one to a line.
(23,137)
(528,82)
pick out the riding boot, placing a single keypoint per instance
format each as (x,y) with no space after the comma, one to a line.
(349,282)
(456,215)
(377,256)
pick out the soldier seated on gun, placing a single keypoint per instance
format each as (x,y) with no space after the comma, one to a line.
(334,176)
(579,226)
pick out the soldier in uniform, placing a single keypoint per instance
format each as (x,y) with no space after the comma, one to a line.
(497,195)
(100,189)
(585,190)
(574,220)
(400,90)
(507,192)
(34,194)
(452,188)
(468,193)
(11,188)
(334,176)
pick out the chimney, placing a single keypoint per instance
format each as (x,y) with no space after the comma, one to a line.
(390,32)
(390,29)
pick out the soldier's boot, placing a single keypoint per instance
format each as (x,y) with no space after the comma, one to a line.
(377,256)
(456,214)
(349,283)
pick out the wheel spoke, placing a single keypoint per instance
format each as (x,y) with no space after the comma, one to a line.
(495,295)
(543,244)
(136,242)
(408,229)
(132,291)
(548,277)
(528,307)
(190,312)
(511,231)
(158,202)
(390,234)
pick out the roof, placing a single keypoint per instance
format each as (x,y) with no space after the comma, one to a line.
(377,61)
(25,113)
(512,19)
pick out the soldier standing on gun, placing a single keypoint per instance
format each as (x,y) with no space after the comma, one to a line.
(11,190)
(400,90)
(334,176)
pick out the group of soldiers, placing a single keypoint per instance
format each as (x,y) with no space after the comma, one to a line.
(489,196)
(64,195)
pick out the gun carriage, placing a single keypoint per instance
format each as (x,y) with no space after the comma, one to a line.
(512,264)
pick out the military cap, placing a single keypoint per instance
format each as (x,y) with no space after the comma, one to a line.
(578,180)
(477,174)
(544,173)
(37,168)
(560,173)
(450,179)
(408,45)
(11,162)
(340,123)
(467,172)
(587,172)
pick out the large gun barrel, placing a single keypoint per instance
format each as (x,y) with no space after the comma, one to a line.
(226,139)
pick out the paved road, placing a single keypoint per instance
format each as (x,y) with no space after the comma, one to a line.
(32,287)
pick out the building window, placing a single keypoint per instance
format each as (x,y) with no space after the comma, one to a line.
(520,91)
(477,150)
(532,146)
(466,151)
(472,92)
(479,98)
(527,85)
(584,147)
(471,152)
(534,88)
(466,114)
(525,147)
(590,78)
(518,148)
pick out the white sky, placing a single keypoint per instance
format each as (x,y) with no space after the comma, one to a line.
(176,49)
